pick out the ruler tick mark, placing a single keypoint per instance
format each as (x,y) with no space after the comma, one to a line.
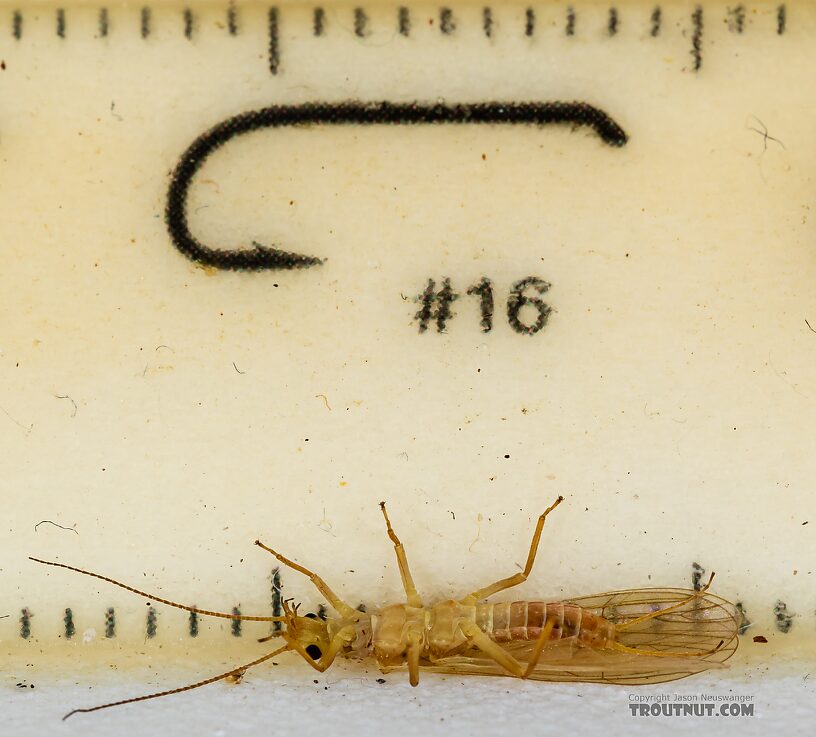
(25,623)
(274,49)
(232,19)
(104,23)
(742,613)
(697,38)
(736,19)
(17,24)
(360,23)
(110,623)
(68,621)
(236,623)
(784,620)
(613,22)
(188,23)
(61,22)
(151,625)
(570,29)
(319,21)
(487,21)
(277,606)
(446,22)
(697,573)
(193,624)
(657,19)
(529,22)
(781,19)
(144,19)
(404,21)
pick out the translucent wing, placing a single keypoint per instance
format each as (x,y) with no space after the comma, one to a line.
(561,662)
(695,627)
(701,633)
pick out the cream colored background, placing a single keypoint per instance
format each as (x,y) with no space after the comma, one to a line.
(670,398)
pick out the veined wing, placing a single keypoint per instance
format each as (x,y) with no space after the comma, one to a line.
(700,633)
(565,661)
(692,626)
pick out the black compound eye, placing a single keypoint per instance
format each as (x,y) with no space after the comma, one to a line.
(314,652)
(311,615)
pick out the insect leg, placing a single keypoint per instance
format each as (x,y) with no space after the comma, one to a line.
(517,578)
(413,653)
(319,583)
(541,643)
(651,615)
(233,672)
(493,650)
(327,658)
(407,581)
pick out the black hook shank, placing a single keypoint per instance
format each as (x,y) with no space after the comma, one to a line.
(348,113)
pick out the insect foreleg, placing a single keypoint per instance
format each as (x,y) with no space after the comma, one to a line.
(318,582)
(517,578)
(411,594)
(493,650)
(327,658)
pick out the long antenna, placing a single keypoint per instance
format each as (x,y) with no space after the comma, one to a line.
(233,672)
(121,585)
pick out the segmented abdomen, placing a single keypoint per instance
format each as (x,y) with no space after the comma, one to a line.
(524,620)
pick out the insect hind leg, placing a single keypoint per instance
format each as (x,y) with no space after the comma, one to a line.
(518,578)
(541,643)
(492,649)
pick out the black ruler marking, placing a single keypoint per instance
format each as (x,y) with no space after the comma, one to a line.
(657,19)
(404,21)
(104,22)
(232,19)
(447,24)
(274,47)
(697,38)
(570,29)
(613,23)
(487,21)
(735,16)
(529,22)
(144,19)
(360,23)
(319,21)
(189,22)
(736,19)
